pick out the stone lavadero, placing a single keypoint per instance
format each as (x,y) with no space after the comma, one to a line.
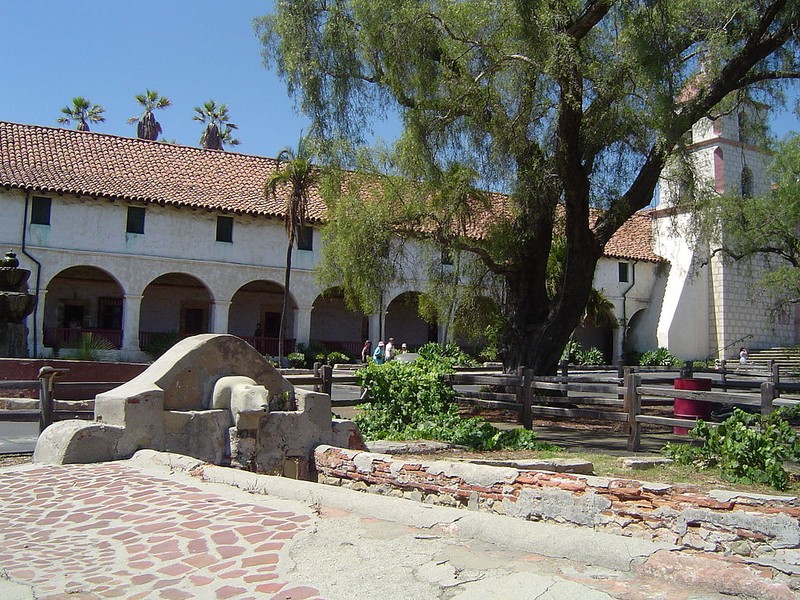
(211,397)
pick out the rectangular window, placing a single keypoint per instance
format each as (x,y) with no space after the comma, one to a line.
(40,210)
(225,229)
(135,220)
(623,272)
(305,238)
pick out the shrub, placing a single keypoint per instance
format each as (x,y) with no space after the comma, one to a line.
(570,352)
(337,358)
(592,357)
(412,401)
(159,343)
(660,357)
(449,355)
(746,448)
(489,354)
(89,347)
(297,360)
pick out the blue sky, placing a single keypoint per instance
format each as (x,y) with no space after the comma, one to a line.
(188,50)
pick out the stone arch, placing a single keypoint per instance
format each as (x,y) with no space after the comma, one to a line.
(404,324)
(174,305)
(81,299)
(255,316)
(337,327)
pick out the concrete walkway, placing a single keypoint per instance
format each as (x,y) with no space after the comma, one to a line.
(164,526)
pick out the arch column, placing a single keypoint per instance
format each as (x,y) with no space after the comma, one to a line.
(131,310)
(375,323)
(36,333)
(302,324)
(219,316)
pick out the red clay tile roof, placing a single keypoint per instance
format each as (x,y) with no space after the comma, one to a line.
(54,160)
(634,240)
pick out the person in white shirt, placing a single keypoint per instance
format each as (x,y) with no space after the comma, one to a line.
(389,349)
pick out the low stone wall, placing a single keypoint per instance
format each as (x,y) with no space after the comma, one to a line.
(765,528)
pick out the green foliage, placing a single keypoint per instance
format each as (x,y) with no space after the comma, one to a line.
(412,401)
(297,360)
(314,352)
(218,129)
(570,352)
(660,357)
(159,343)
(746,448)
(89,347)
(82,112)
(337,358)
(444,356)
(591,357)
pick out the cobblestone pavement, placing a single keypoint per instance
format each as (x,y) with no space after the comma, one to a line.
(109,531)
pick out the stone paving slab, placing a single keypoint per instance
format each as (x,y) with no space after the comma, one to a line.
(109,531)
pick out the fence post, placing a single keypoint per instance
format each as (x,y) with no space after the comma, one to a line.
(564,368)
(621,369)
(767,396)
(327,379)
(315,368)
(687,370)
(47,376)
(633,406)
(775,373)
(527,413)
(724,371)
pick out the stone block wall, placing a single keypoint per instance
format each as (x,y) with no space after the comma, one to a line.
(765,527)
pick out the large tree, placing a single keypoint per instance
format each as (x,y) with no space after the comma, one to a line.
(147,127)
(294,178)
(566,105)
(81,112)
(218,129)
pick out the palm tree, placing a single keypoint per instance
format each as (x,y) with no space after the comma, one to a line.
(148,128)
(82,112)
(218,131)
(295,171)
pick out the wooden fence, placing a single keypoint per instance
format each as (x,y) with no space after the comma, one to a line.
(619,395)
(623,395)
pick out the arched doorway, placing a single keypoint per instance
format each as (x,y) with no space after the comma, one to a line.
(337,327)
(174,306)
(404,324)
(82,299)
(255,316)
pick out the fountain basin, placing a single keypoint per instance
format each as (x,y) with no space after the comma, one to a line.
(12,278)
(15,306)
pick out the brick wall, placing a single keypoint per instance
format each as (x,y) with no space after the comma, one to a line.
(684,515)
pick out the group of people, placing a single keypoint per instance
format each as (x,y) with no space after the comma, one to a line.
(382,353)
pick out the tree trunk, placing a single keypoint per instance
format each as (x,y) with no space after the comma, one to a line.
(285,308)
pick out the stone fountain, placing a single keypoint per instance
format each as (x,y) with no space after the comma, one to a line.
(15,304)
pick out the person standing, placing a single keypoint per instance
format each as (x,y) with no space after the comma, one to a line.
(743,355)
(366,351)
(379,357)
(389,350)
